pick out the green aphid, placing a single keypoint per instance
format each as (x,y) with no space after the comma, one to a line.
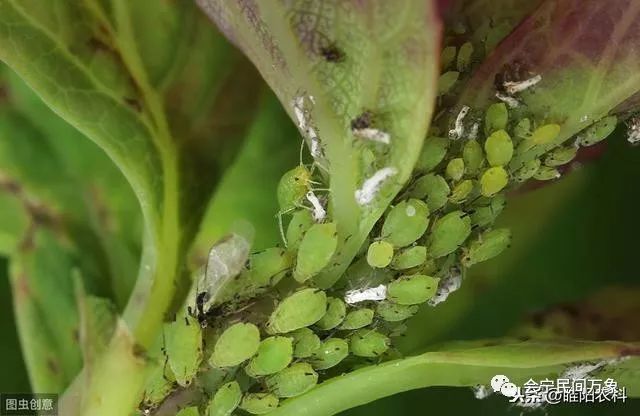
(485,216)
(259,403)
(527,171)
(300,223)
(393,312)
(330,354)
(499,148)
(522,130)
(464,56)
(455,169)
(409,257)
(543,135)
(188,411)
(546,173)
(293,187)
(433,151)
(293,381)
(336,311)
(448,56)
(461,191)
(316,250)
(493,180)
(235,345)
(357,319)
(267,264)
(473,156)
(405,223)
(305,342)
(225,401)
(379,254)
(274,354)
(183,348)
(487,246)
(447,81)
(433,188)
(598,131)
(561,156)
(158,386)
(301,309)
(448,233)
(412,290)
(368,343)
(496,118)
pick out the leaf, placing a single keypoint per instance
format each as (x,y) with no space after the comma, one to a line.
(461,364)
(380,58)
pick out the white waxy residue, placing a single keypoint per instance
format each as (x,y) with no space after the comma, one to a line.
(360,295)
(319,213)
(375,135)
(507,99)
(458,129)
(514,87)
(447,286)
(372,185)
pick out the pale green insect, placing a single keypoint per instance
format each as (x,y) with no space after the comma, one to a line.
(496,118)
(499,148)
(301,309)
(432,187)
(267,264)
(447,56)
(188,411)
(368,343)
(487,246)
(493,180)
(409,257)
(473,156)
(522,130)
(316,249)
(330,354)
(357,319)
(305,342)
(158,385)
(448,233)
(546,173)
(301,221)
(447,81)
(433,151)
(293,381)
(527,171)
(598,131)
(543,135)
(183,348)
(225,401)
(405,223)
(259,403)
(274,354)
(412,290)
(484,216)
(379,254)
(464,56)
(236,344)
(561,156)
(336,311)
(293,187)
(455,169)
(461,191)
(393,312)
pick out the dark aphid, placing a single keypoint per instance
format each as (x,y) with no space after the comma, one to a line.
(363,121)
(332,53)
(511,72)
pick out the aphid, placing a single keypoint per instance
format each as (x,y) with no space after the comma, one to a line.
(293,381)
(546,173)
(301,309)
(368,343)
(393,312)
(236,344)
(447,81)
(472,156)
(354,296)
(507,99)
(486,246)
(493,180)
(331,353)
(458,129)
(455,169)
(300,223)
(409,257)
(336,311)
(319,213)
(486,215)
(363,121)
(405,223)
(464,56)
(412,290)
(433,151)
(473,134)
(543,135)
(514,87)
(522,130)
(461,191)
(188,411)
(433,188)
(496,118)
(183,348)
(527,171)
(158,385)
(372,185)
(316,249)
(448,233)
(499,148)
(259,403)
(225,401)
(268,263)
(561,156)
(448,56)
(293,187)
(357,319)
(633,132)
(332,53)
(305,342)
(274,354)
(379,254)
(598,131)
